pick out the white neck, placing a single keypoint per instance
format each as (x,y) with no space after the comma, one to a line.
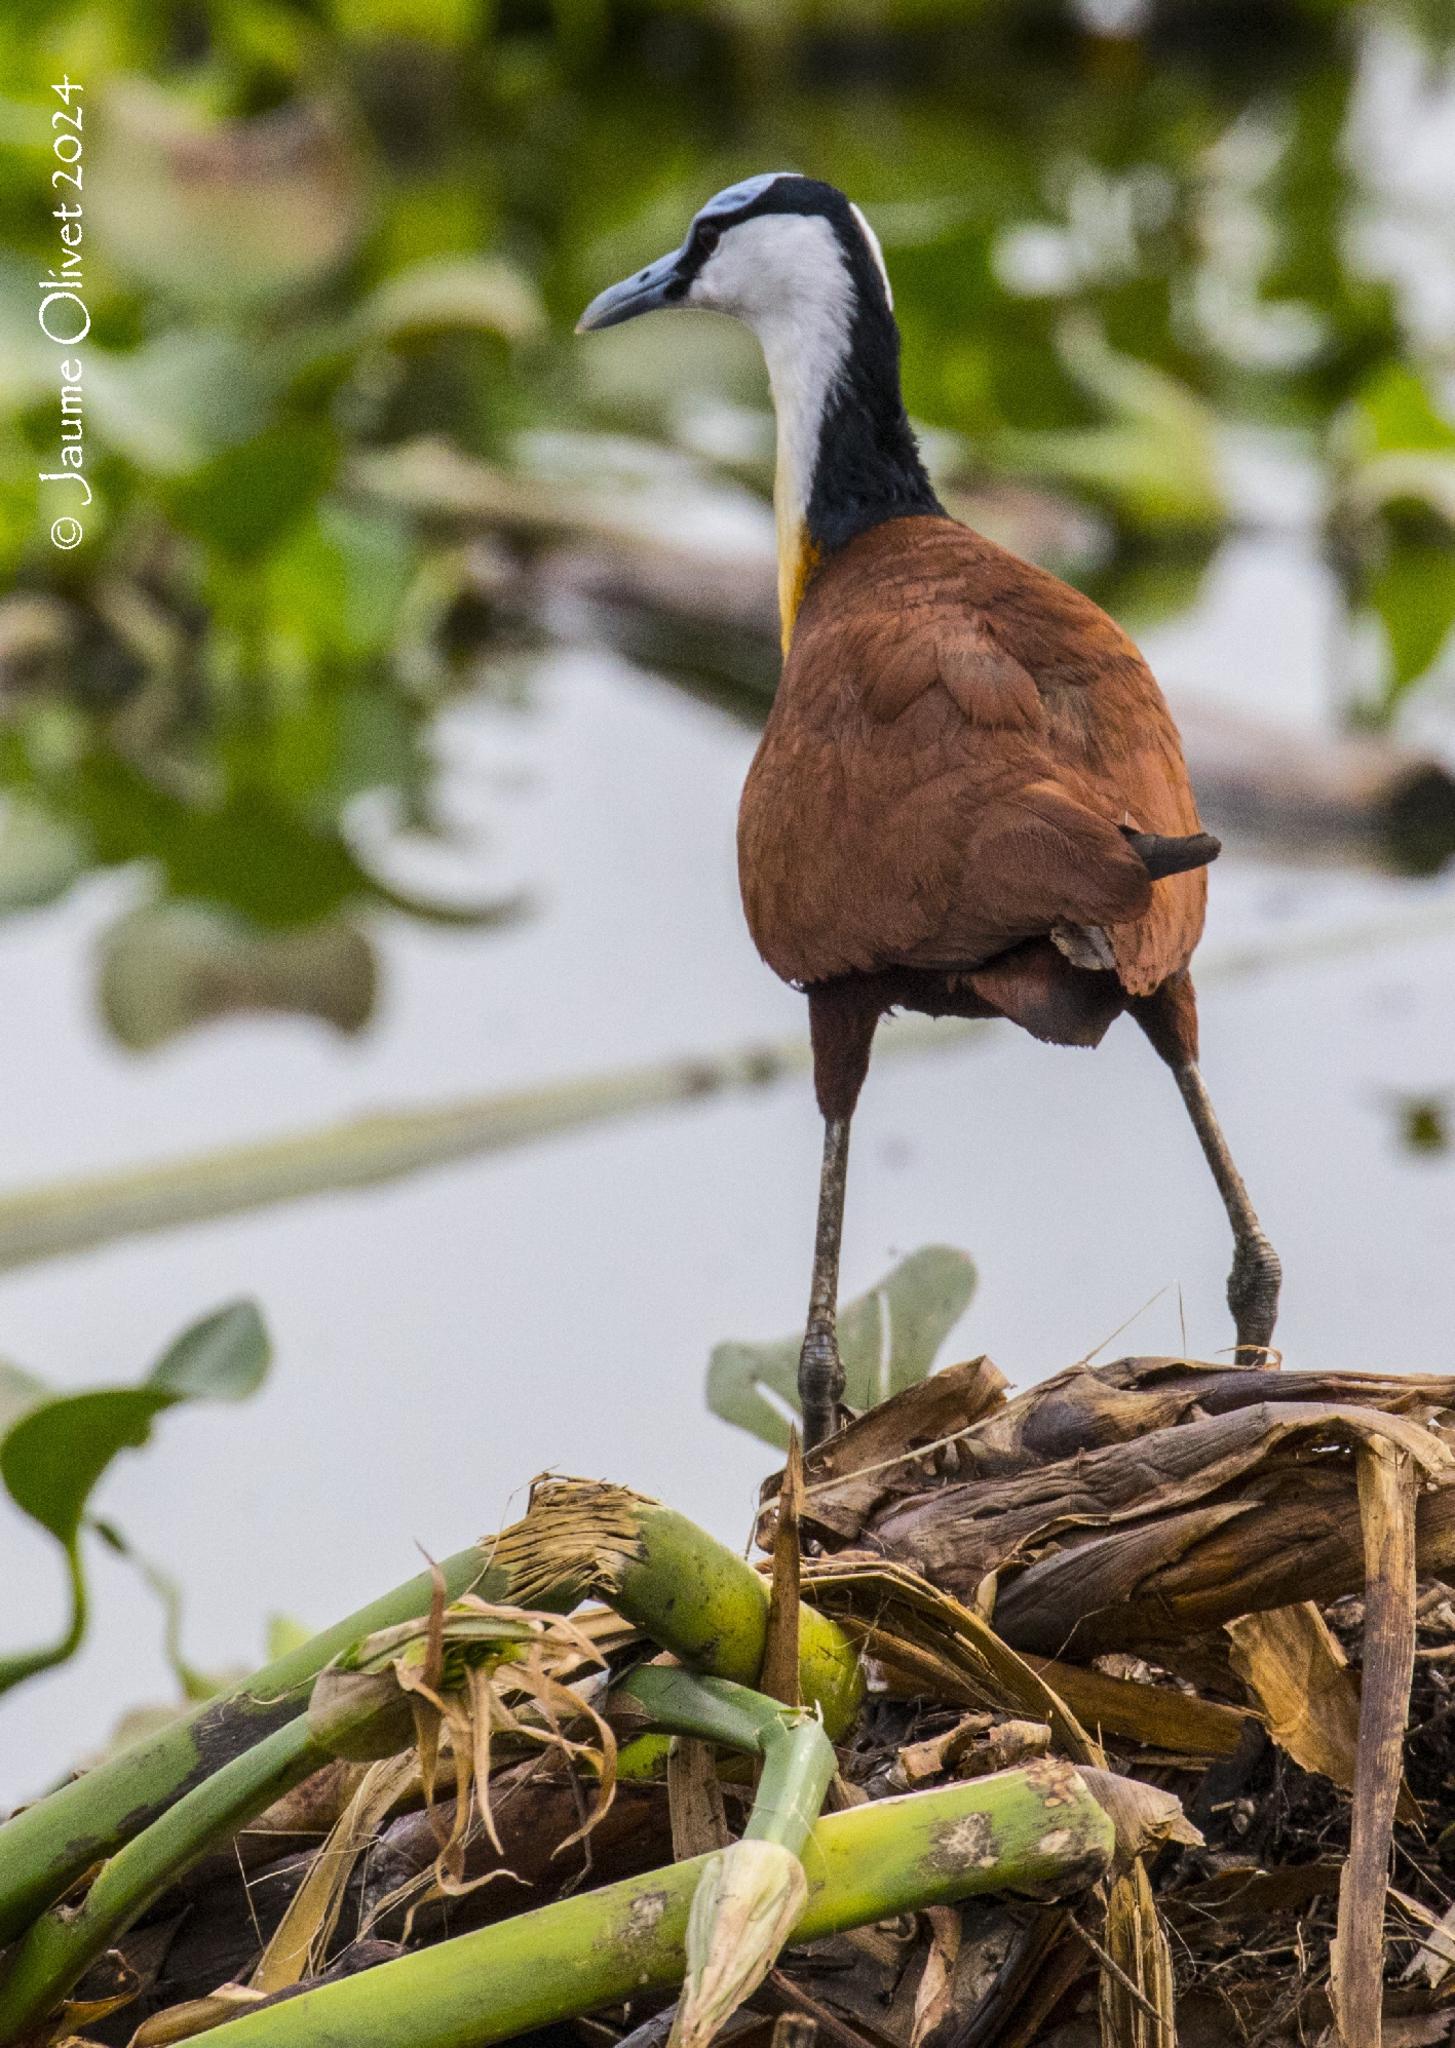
(803,368)
(785,275)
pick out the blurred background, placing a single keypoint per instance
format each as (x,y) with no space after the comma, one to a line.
(375,753)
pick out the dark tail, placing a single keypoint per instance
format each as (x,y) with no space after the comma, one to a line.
(1161,855)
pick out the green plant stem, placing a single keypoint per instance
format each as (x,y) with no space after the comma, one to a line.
(44,1849)
(26,1663)
(1022,1828)
(61,1945)
(689,1592)
(798,1758)
(692,1595)
(63,1942)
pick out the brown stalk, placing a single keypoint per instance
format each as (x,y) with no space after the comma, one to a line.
(1387,1503)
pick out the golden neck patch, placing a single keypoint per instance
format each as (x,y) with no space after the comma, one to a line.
(797,560)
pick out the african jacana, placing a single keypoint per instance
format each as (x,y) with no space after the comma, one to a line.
(970,798)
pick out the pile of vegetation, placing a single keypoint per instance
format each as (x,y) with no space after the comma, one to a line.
(1115,1710)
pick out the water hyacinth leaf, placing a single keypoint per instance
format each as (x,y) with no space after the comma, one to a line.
(1395,410)
(441,21)
(249,497)
(453,291)
(27,359)
(224,1357)
(260,855)
(223,215)
(888,1340)
(40,856)
(54,1455)
(167,968)
(171,404)
(19,1391)
(1412,593)
(286,1633)
(1154,461)
(338,582)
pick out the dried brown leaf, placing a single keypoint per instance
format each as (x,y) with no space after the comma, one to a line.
(1291,1661)
(301,1936)
(779,1676)
(195,2016)
(694,1795)
(934,1996)
(1136,2003)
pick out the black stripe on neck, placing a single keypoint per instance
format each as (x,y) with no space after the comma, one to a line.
(868,467)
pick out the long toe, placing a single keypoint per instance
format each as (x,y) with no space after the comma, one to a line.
(1253,1288)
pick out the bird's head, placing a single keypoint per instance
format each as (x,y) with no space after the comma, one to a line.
(778,251)
(798,262)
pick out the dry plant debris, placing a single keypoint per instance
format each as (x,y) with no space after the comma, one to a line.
(1219,1594)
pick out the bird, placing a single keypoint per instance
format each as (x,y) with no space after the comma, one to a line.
(970,797)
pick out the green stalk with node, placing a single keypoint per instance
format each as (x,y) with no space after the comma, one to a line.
(1034,1829)
(45,1848)
(750,1894)
(168,1800)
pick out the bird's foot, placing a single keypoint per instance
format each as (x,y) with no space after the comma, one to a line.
(1253,1288)
(820,1384)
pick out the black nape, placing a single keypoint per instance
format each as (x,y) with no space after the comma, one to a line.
(869,467)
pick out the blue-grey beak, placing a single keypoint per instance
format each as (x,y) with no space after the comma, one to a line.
(658,285)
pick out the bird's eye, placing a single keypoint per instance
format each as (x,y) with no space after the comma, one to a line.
(708,239)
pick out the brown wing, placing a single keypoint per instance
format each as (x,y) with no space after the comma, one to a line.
(955,743)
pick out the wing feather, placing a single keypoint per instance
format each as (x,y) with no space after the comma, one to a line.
(956,742)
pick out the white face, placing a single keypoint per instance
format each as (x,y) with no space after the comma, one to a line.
(787,277)
(784,275)
(777,267)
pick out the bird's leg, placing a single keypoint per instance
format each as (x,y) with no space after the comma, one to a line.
(1254,1281)
(820,1372)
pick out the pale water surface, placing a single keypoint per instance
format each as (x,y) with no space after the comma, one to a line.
(441,1340)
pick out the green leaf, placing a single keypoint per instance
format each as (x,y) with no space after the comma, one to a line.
(453,291)
(245,500)
(1413,594)
(442,21)
(174,403)
(888,1339)
(167,968)
(339,583)
(1395,410)
(54,1455)
(27,359)
(285,1635)
(224,1357)
(40,856)
(1154,461)
(20,1391)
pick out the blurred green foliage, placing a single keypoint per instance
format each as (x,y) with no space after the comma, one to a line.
(56,1448)
(320,228)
